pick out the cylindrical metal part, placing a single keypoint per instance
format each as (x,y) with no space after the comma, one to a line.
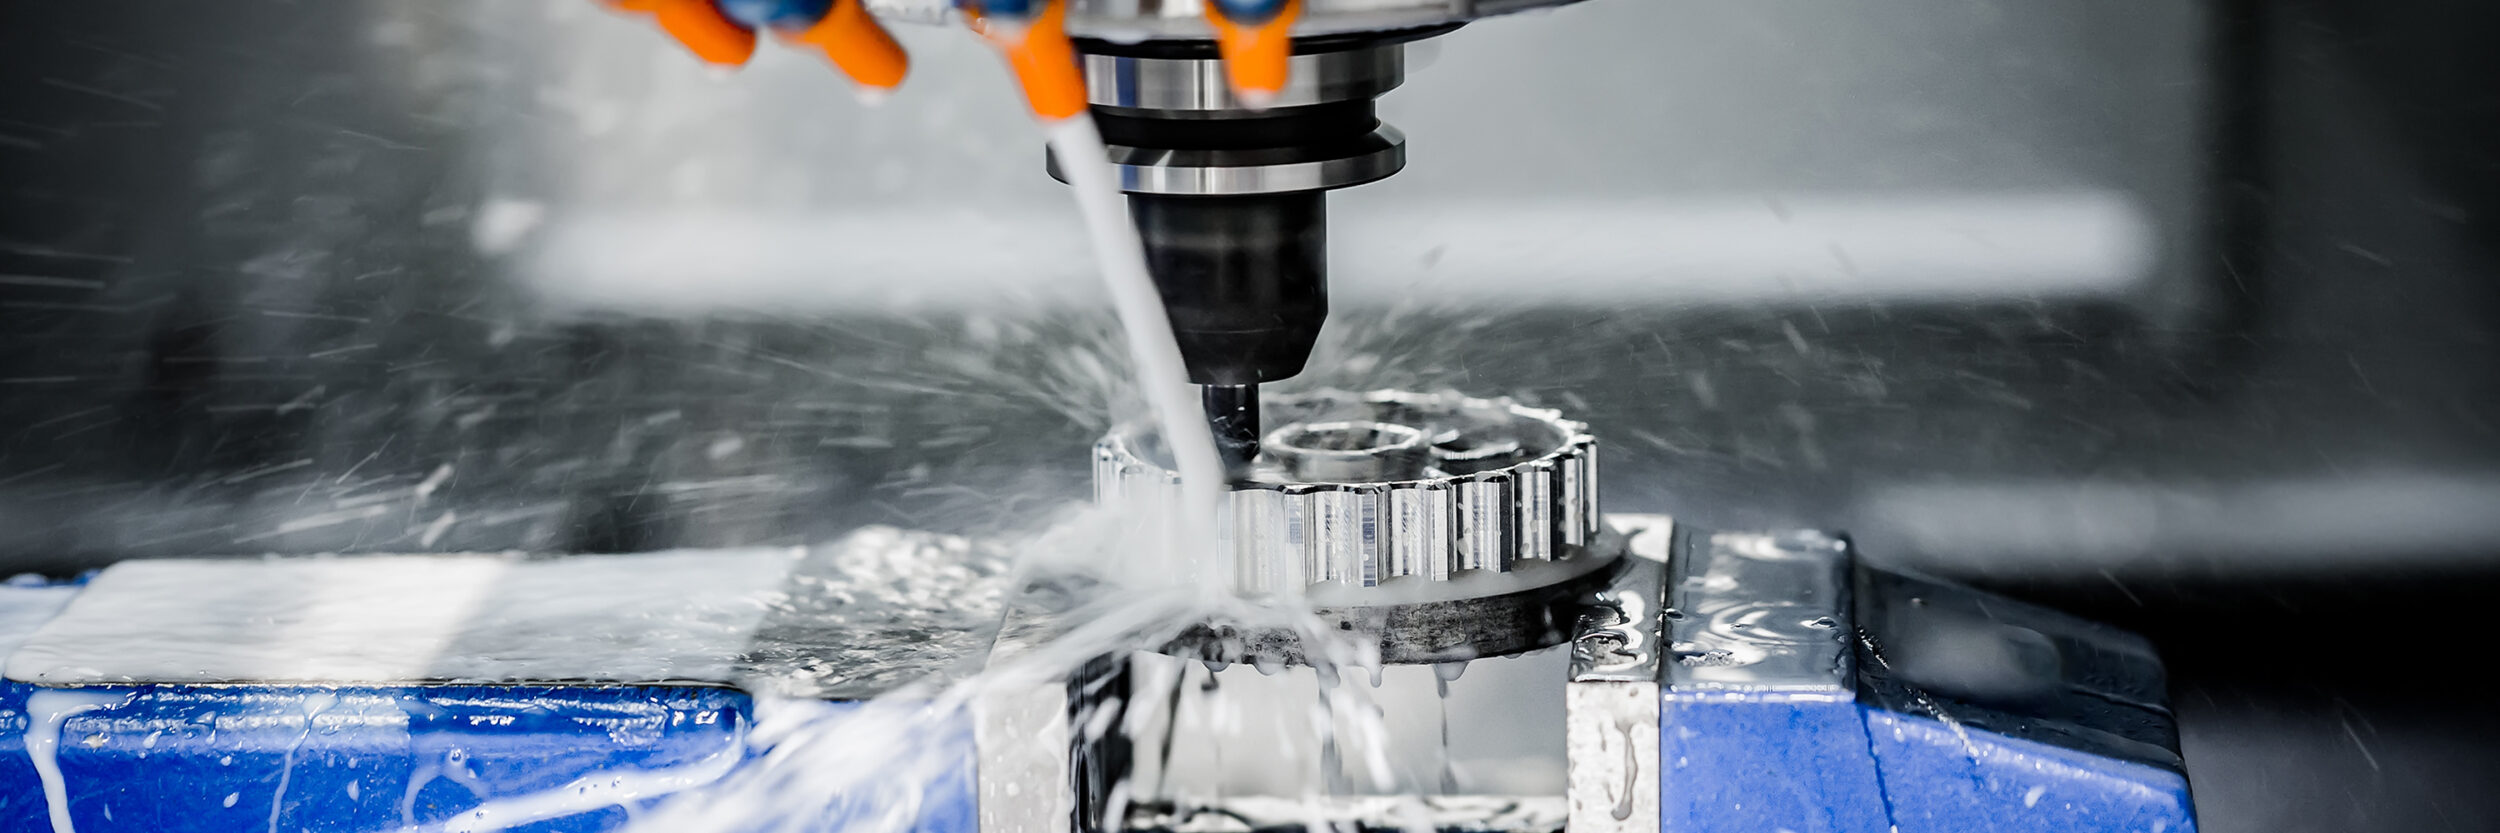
(1173,127)
(1156,20)
(1197,85)
(1244,279)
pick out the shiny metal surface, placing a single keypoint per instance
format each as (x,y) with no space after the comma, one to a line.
(1508,489)
(1352,451)
(876,611)
(1611,699)
(1512,620)
(1137,19)
(1622,637)
(1265,814)
(1181,84)
(1761,614)
(1273,171)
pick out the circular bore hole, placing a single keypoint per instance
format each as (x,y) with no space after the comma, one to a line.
(1350,451)
(1348,436)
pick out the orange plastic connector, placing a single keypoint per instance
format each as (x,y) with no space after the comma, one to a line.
(1257,56)
(855,42)
(700,26)
(1043,59)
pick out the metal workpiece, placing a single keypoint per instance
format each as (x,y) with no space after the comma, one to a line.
(1621,635)
(1763,614)
(1342,507)
(878,610)
(1132,20)
(1197,85)
(1611,698)
(1257,814)
(1540,615)
(1351,451)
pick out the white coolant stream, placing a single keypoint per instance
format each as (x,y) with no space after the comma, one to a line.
(1161,373)
(46,710)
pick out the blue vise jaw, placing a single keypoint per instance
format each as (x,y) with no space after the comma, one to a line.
(1752,682)
(461,692)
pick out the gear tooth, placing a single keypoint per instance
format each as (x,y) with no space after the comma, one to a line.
(1256,528)
(1132,480)
(1436,526)
(1418,535)
(1536,510)
(1371,551)
(1588,519)
(1488,520)
(1106,473)
(1307,557)
(1338,514)
(1569,493)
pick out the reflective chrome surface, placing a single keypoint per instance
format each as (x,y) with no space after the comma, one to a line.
(1514,618)
(1136,19)
(1265,814)
(1761,613)
(1622,637)
(1611,701)
(1350,451)
(1215,173)
(1199,85)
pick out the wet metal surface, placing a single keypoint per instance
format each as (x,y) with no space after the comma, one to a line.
(1760,614)
(1611,695)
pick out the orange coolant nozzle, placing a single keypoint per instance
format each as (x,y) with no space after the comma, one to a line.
(1038,50)
(701,27)
(1256,55)
(855,42)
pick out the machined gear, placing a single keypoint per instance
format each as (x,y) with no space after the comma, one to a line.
(1384,489)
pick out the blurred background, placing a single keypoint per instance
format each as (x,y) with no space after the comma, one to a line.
(2176,314)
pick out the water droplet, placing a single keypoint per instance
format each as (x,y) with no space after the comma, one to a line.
(1821,623)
